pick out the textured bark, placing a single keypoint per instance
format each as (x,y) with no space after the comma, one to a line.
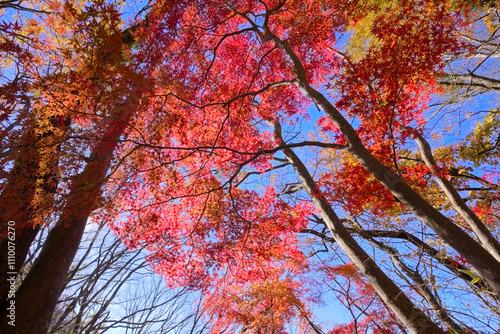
(24,238)
(37,296)
(473,252)
(481,231)
(485,263)
(411,316)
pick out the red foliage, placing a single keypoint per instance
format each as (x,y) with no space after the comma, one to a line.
(219,77)
(208,75)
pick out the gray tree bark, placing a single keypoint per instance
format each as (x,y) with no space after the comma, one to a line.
(411,316)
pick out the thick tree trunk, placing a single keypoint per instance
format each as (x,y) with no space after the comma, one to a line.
(27,199)
(485,263)
(473,252)
(37,296)
(411,316)
(24,237)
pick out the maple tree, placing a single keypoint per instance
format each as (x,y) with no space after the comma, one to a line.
(260,93)
(74,85)
(177,127)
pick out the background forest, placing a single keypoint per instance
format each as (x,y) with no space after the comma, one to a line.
(249,166)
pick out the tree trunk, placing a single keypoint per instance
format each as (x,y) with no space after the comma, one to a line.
(485,263)
(27,199)
(411,316)
(37,296)
(473,252)
(481,231)
(16,213)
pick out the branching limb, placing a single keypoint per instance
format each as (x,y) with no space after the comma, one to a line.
(482,232)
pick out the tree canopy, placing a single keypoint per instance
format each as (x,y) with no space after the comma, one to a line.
(262,151)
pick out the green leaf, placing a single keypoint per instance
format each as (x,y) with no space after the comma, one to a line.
(475,280)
